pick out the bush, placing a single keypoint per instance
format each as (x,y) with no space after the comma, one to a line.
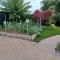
(11,27)
(58,46)
(53,26)
(22,28)
(1,28)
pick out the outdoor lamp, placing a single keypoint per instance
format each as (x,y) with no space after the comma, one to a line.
(20,22)
(27,21)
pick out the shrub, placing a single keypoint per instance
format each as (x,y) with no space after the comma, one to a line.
(11,27)
(1,28)
(22,28)
(58,46)
(53,26)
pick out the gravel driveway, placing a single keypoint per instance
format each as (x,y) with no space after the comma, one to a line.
(19,49)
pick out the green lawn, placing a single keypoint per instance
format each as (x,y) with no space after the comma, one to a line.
(47,32)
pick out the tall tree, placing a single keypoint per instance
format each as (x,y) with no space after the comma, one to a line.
(57,14)
(17,9)
(46,4)
(57,6)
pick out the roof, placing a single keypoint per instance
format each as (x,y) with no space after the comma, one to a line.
(4,12)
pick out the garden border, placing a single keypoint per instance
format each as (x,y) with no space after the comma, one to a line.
(16,35)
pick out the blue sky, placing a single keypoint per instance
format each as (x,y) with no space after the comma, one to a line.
(35,4)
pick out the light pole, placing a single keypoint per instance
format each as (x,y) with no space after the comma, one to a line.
(27,21)
(5,23)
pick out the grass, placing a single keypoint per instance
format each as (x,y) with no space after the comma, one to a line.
(47,32)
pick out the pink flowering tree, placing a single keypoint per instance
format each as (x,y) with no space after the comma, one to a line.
(42,17)
(47,15)
(37,16)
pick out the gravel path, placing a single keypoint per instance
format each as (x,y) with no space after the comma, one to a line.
(18,49)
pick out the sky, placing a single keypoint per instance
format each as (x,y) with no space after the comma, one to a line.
(35,4)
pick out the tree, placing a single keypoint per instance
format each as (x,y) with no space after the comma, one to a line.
(42,16)
(47,17)
(37,15)
(18,9)
(57,6)
(49,5)
(46,4)
(57,14)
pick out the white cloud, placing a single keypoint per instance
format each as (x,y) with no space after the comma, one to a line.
(35,4)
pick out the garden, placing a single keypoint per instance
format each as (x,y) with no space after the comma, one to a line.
(44,23)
